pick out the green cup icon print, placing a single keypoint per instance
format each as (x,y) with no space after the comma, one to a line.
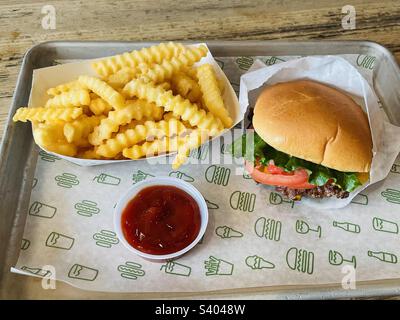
(59,241)
(257,263)
(336,259)
(140,176)
(383,256)
(225,232)
(218,267)
(361,199)
(395,168)
(391,195)
(181,175)
(200,153)
(273,60)
(48,157)
(86,208)
(131,270)
(303,227)
(218,175)
(177,269)
(106,238)
(269,229)
(244,63)
(81,272)
(277,199)
(25,243)
(243,201)
(383,225)
(211,205)
(347,226)
(300,260)
(105,178)
(37,271)
(42,210)
(67,180)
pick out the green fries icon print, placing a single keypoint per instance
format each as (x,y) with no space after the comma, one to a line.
(218,267)
(303,227)
(273,60)
(106,238)
(67,180)
(336,259)
(86,208)
(82,272)
(218,175)
(270,229)
(175,268)
(131,270)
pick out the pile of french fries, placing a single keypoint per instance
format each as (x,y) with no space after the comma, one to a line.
(143,103)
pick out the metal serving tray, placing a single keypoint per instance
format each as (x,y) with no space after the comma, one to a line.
(18,155)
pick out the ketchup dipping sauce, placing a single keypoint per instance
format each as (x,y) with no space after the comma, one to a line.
(160,220)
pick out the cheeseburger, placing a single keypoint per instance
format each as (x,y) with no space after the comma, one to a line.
(309,139)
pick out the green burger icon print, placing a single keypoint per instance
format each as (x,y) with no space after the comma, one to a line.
(244,63)
(48,157)
(391,195)
(300,260)
(218,175)
(269,229)
(243,201)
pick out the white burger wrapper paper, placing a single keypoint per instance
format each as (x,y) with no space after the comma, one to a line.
(45,78)
(336,72)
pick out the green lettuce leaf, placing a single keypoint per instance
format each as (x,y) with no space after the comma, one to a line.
(250,146)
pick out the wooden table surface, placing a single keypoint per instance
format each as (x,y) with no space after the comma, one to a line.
(141,20)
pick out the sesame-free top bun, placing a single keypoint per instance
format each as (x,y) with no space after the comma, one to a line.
(315,122)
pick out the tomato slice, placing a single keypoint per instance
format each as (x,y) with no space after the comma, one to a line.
(297,179)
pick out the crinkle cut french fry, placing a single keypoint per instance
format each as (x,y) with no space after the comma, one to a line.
(78,130)
(147,149)
(98,106)
(122,77)
(63,88)
(194,140)
(211,94)
(46,114)
(134,110)
(73,98)
(89,154)
(51,138)
(103,90)
(179,106)
(186,87)
(160,72)
(130,137)
(153,54)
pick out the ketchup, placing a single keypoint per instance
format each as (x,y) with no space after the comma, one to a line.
(161,220)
